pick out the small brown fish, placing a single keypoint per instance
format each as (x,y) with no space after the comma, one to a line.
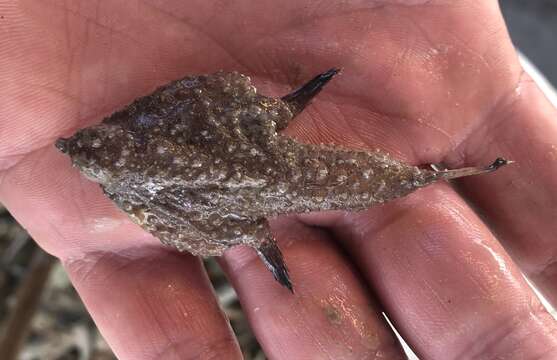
(200,164)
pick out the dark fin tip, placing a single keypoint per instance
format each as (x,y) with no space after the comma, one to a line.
(272,257)
(328,75)
(499,162)
(300,98)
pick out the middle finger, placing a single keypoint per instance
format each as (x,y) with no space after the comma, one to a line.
(329,316)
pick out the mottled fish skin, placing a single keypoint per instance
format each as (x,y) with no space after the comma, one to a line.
(200,164)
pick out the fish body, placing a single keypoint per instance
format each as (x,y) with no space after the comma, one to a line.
(201,164)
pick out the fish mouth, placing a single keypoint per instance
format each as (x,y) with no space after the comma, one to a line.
(62,145)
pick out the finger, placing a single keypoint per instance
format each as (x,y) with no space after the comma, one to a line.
(150,303)
(445,281)
(67,214)
(330,314)
(520,202)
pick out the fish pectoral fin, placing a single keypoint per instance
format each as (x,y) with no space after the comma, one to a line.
(300,98)
(273,259)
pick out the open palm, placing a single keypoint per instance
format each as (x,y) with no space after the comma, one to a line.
(428,81)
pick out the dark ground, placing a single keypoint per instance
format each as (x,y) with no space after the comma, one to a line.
(58,327)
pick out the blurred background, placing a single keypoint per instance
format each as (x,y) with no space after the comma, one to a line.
(533,28)
(41,316)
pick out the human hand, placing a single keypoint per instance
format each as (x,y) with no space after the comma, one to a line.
(428,81)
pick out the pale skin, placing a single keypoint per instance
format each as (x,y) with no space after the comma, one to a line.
(428,81)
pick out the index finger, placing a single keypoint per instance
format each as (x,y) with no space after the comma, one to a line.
(148,302)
